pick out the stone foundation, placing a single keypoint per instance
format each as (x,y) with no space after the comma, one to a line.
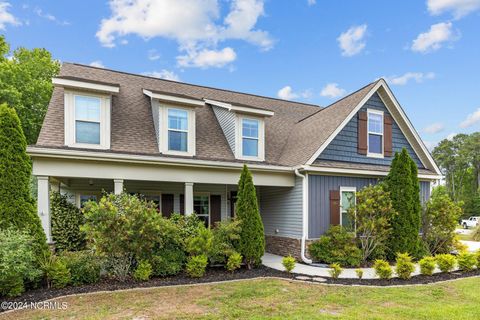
(283,246)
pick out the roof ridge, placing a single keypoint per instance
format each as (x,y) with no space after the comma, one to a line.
(196,85)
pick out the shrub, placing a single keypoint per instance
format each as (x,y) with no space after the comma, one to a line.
(402,183)
(336,246)
(196,266)
(17,262)
(167,262)
(382,269)
(405,266)
(477,255)
(226,235)
(476,234)
(17,208)
(359,273)
(55,271)
(445,262)
(84,266)
(143,271)
(187,225)
(372,214)
(66,222)
(252,237)
(466,261)
(288,263)
(335,270)
(439,222)
(427,266)
(200,243)
(119,266)
(234,261)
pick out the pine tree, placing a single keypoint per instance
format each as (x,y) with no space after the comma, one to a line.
(17,208)
(252,238)
(404,188)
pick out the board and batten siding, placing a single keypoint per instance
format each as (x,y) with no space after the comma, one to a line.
(227,121)
(319,198)
(281,209)
(344,146)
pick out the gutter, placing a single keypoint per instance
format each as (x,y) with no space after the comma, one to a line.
(305,215)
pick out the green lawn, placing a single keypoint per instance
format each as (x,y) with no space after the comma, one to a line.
(275,299)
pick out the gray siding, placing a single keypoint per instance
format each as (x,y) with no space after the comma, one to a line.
(344,146)
(226,119)
(424,191)
(281,208)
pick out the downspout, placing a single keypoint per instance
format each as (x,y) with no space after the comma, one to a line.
(305,215)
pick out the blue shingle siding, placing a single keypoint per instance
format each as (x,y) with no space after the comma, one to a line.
(344,145)
(319,202)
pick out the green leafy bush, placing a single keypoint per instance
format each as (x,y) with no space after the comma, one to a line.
(288,263)
(55,271)
(196,266)
(382,269)
(234,261)
(405,266)
(226,235)
(477,255)
(66,222)
(335,270)
(119,266)
(359,273)
(427,266)
(336,246)
(143,271)
(466,261)
(84,266)
(167,262)
(188,226)
(446,262)
(200,243)
(17,262)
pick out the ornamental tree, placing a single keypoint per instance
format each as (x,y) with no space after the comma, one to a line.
(17,208)
(252,239)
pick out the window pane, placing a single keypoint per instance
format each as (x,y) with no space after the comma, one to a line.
(374,143)
(375,123)
(348,201)
(85,198)
(250,147)
(250,128)
(177,141)
(87,132)
(200,205)
(87,108)
(177,119)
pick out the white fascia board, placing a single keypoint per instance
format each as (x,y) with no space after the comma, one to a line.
(76,84)
(174,99)
(330,170)
(93,155)
(240,109)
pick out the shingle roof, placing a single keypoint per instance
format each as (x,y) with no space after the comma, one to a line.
(360,166)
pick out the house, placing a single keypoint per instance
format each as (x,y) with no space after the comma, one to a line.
(183,146)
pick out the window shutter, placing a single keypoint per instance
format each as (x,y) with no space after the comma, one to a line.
(182,204)
(387,143)
(334,207)
(167,205)
(215,209)
(362,133)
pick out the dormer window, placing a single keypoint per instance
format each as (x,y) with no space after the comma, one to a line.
(250,137)
(177,130)
(87,119)
(375,133)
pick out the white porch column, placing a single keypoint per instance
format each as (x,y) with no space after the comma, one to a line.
(188,198)
(43,205)
(118,186)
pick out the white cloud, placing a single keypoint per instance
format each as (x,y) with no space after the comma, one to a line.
(434,128)
(153,55)
(434,38)
(451,136)
(163,74)
(6,17)
(39,12)
(459,8)
(332,90)
(207,58)
(287,93)
(418,77)
(472,118)
(97,63)
(196,25)
(311,2)
(352,42)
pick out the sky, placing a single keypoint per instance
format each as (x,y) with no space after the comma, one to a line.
(313,51)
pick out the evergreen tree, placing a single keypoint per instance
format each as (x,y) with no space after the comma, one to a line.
(17,209)
(404,188)
(252,238)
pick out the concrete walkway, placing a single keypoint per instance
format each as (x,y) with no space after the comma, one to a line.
(473,246)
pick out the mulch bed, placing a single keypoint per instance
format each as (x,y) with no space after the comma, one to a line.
(220,274)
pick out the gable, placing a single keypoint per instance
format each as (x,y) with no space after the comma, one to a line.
(344,146)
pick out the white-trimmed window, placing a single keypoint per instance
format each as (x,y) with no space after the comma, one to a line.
(201,206)
(347,201)
(375,133)
(250,138)
(176,130)
(87,120)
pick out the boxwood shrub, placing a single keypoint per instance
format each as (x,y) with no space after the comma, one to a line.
(466,261)
(446,262)
(84,266)
(427,266)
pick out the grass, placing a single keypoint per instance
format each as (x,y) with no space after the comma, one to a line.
(274,299)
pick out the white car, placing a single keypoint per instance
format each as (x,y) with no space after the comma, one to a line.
(471,222)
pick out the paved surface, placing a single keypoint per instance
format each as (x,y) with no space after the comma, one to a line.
(473,246)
